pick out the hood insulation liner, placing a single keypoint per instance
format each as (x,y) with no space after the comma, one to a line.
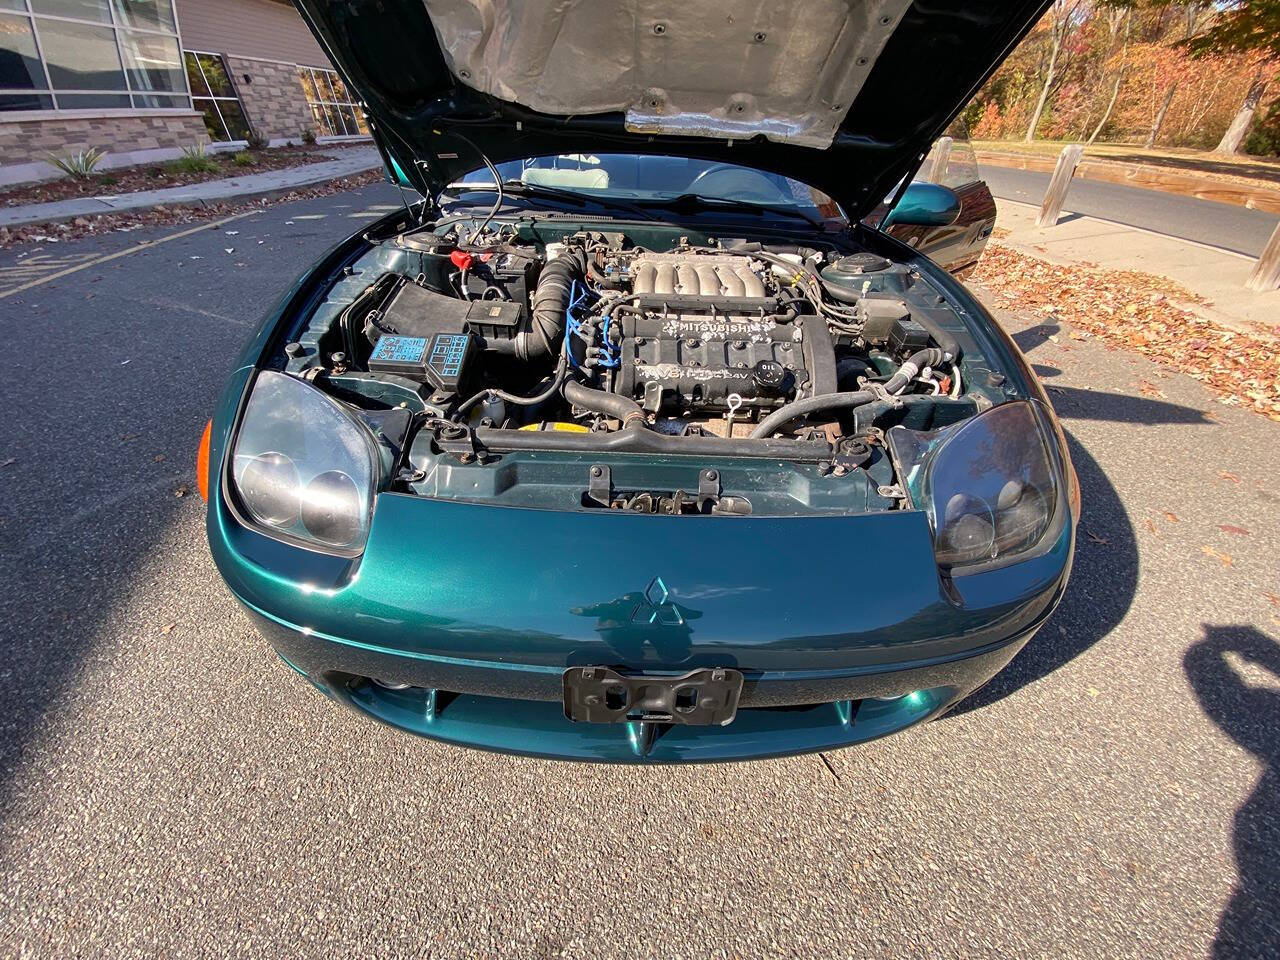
(682,67)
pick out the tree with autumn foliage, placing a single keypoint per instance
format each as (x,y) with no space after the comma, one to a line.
(1147,72)
(1252,28)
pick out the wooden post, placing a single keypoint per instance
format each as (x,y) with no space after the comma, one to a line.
(1266,272)
(938,169)
(1056,195)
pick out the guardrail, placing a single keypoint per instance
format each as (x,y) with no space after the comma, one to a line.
(1266,271)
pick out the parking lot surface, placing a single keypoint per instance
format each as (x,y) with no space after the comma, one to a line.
(169,788)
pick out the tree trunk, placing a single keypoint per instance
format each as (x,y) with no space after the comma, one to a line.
(1044,93)
(1159,122)
(1115,92)
(1243,120)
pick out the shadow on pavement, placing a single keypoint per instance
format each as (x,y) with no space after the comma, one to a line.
(1235,673)
(1074,403)
(1104,578)
(1103,583)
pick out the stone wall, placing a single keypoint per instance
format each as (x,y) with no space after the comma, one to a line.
(272,98)
(31,141)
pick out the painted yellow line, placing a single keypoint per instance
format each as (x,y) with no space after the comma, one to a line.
(137,248)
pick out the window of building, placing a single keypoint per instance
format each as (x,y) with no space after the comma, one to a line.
(89,54)
(334,110)
(214,96)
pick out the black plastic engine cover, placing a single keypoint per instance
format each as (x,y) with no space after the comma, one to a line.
(692,363)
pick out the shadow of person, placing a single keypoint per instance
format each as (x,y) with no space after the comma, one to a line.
(1235,673)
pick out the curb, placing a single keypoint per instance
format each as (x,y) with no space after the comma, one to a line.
(1148,177)
(21,219)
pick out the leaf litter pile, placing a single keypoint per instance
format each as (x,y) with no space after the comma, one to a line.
(166,216)
(1139,312)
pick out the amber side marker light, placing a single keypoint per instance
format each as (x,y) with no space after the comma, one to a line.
(202,462)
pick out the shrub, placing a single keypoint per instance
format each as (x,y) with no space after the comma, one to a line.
(1264,140)
(256,141)
(243,159)
(308,136)
(78,166)
(195,160)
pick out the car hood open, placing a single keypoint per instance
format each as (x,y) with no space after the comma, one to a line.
(845,95)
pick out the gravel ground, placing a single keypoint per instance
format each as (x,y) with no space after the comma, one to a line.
(167,788)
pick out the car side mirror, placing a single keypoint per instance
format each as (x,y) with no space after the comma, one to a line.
(924,205)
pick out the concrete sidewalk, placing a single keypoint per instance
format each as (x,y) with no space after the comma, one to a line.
(1209,272)
(346,161)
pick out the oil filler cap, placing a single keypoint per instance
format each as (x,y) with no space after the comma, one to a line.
(770,377)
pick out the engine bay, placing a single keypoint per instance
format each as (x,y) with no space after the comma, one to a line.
(643,369)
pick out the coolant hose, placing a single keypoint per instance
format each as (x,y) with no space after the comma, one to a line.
(610,404)
(950,346)
(843,401)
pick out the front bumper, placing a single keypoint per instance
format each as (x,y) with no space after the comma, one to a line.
(781,712)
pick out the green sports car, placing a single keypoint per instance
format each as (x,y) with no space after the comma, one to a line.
(638,435)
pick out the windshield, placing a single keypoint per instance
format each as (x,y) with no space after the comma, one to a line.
(640,177)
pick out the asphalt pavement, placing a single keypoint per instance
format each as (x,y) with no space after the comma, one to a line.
(1223,225)
(169,788)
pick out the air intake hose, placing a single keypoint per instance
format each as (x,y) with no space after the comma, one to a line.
(548,304)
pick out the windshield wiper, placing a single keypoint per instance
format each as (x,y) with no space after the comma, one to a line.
(518,188)
(696,201)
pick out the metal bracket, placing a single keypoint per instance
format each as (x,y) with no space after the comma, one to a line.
(459,441)
(708,487)
(600,484)
(880,393)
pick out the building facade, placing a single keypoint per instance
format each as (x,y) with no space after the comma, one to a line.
(142,79)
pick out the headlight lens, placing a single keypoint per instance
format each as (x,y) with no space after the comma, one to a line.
(988,484)
(303,467)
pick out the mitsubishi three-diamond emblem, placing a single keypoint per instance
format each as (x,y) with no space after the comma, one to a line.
(656,607)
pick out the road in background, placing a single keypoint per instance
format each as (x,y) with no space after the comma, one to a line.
(168,787)
(1223,225)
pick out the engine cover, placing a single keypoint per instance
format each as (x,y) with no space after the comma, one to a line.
(710,326)
(707,361)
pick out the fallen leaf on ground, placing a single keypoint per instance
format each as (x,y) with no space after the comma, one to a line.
(159,457)
(1232,528)
(1097,539)
(1151,525)
(1271,598)
(1228,476)
(1139,312)
(126,221)
(1226,558)
(168,627)
(9,462)
(181,490)
(1150,389)
(1172,517)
